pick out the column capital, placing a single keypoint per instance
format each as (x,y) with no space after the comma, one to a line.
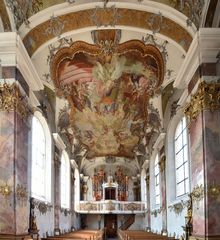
(206,98)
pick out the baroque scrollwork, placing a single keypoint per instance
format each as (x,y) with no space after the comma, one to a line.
(21,193)
(206,98)
(65,211)
(197,193)
(43,207)
(192,8)
(178,207)
(156,211)
(23,9)
(11,99)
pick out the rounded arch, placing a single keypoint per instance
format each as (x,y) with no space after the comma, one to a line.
(170,153)
(40,158)
(65,180)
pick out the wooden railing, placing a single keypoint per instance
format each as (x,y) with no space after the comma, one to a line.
(128,222)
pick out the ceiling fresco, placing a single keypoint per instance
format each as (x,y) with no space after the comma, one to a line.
(108,94)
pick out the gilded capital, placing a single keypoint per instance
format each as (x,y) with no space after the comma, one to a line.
(206,98)
(11,99)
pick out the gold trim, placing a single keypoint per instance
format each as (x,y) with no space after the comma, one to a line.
(11,100)
(206,98)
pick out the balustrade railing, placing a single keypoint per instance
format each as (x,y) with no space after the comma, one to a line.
(110,206)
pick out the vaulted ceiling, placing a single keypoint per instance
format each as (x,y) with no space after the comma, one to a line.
(109,64)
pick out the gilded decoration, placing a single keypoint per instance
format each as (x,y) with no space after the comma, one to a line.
(108,95)
(36,37)
(11,99)
(5,190)
(206,98)
(133,207)
(213,191)
(197,193)
(178,207)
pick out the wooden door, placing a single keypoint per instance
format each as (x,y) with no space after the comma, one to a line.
(111,225)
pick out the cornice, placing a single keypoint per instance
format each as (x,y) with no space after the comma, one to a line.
(59,142)
(13,53)
(203,49)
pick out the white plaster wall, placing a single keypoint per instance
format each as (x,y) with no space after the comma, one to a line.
(138,224)
(156,223)
(65,223)
(92,221)
(45,222)
(175,223)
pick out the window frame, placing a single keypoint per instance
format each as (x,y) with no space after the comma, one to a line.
(182,150)
(65,165)
(157,180)
(40,122)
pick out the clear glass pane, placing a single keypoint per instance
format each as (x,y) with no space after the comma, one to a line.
(185,140)
(186,169)
(187,185)
(184,122)
(178,130)
(180,174)
(178,144)
(185,153)
(180,189)
(179,159)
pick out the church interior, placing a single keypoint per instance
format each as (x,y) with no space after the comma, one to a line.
(110,119)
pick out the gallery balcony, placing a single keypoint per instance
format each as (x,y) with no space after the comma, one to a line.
(110,206)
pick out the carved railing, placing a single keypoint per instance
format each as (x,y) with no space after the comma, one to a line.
(129,220)
(110,206)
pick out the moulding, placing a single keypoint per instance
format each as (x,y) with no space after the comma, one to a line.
(13,53)
(159,141)
(203,49)
(206,98)
(58,141)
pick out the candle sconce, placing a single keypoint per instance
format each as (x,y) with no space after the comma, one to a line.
(5,190)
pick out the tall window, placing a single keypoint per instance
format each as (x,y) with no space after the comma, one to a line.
(181,158)
(157,180)
(65,181)
(41,159)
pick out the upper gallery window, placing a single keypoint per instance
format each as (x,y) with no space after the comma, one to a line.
(65,181)
(181,158)
(157,180)
(41,159)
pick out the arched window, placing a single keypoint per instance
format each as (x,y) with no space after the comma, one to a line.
(181,158)
(65,181)
(41,159)
(157,180)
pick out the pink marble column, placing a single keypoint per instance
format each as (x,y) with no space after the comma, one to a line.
(148,203)
(14,135)
(57,199)
(205,160)
(163,194)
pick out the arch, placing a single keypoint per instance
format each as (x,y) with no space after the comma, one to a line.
(40,158)
(65,180)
